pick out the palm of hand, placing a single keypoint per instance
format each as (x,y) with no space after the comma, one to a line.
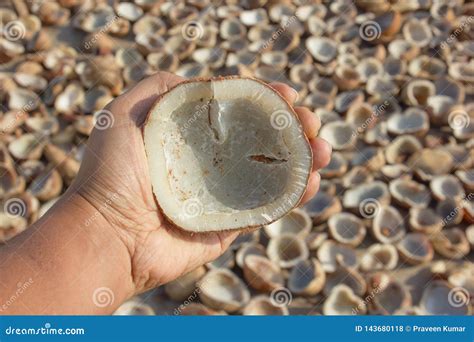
(114,179)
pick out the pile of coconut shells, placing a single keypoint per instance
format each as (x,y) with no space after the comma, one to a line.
(391,229)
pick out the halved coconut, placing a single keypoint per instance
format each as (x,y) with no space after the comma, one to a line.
(332,254)
(451,243)
(447,186)
(389,295)
(221,289)
(337,166)
(348,276)
(182,287)
(225,154)
(356,176)
(409,193)
(347,228)
(411,121)
(425,220)
(198,309)
(262,274)
(307,278)
(247,249)
(322,206)
(379,257)
(134,307)
(415,248)
(263,305)
(286,250)
(297,222)
(463,277)
(449,210)
(343,301)
(441,298)
(388,225)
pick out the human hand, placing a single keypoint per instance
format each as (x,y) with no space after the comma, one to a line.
(115,181)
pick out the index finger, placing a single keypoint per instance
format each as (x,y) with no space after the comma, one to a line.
(138,100)
(288,93)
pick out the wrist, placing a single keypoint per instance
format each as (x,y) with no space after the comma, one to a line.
(75,262)
(106,256)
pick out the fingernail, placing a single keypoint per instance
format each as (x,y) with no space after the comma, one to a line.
(318,176)
(296,94)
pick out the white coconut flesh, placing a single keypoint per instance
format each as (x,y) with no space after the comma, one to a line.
(225,154)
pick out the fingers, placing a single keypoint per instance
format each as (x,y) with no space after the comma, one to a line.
(312,188)
(153,85)
(311,125)
(310,121)
(226,238)
(286,91)
(321,153)
(138,100)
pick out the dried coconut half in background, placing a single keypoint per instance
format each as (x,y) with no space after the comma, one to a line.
(225,154)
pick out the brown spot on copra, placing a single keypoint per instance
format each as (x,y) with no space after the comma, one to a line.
(261,158)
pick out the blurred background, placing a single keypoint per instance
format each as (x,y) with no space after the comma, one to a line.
(390,231)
